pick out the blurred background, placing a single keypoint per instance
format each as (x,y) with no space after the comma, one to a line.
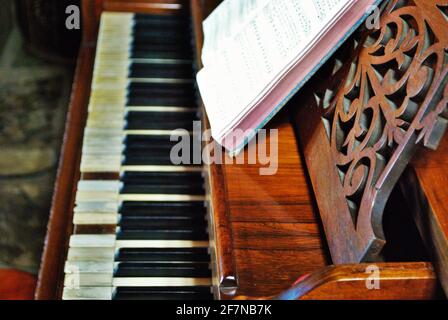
(37,60)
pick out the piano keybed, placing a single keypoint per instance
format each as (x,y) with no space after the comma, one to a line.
(140,229)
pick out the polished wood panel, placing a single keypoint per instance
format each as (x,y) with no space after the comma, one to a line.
(60,227)
(399,281)
(425,186)
(224,272)
(272,219)
(272,222)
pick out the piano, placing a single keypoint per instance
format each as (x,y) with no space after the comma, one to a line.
(357,209)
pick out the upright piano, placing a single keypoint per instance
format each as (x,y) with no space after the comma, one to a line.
(357,209)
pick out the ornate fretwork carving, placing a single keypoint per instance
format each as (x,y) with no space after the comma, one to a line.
(393,97)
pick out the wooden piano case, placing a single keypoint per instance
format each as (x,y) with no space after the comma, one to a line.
(267,236)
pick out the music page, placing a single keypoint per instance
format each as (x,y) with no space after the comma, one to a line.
(248,44)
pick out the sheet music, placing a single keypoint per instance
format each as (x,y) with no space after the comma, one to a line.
(249,43)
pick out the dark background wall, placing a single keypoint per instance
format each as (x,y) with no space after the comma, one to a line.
(5,21)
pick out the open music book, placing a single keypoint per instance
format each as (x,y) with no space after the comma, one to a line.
(258,53)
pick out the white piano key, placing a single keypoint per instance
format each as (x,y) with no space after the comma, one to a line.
(160,197)
(78,267)
(95,218)
(106,149)
(161,282)
(105,116)
(159,109)
(99,186)
(96,140)
(105,122)
(161,169)
(109,241)
(161,80)
(96,196)
(109,56)
(138,244)
(121,109)
(115,97)
(177,132)
(96,107)
(118,16)
(105,67)
(103,82)
(79,280)
(117,133)
(91,254)
(162,61)
(109,46)
(88,293)
(112,133)
(92,241)
(101,163)
(97,207)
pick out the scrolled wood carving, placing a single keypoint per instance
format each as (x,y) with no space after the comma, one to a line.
(393,97)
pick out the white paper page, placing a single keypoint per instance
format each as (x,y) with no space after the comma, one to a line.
(225,22)
(246,59)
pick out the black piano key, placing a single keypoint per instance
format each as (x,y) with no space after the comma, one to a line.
(163,254)
(146,99)
(142,157)
(161,178)
(162,50)
(138,120)
(161,222)
(163,89)
(163,293)
(163,71)
(144,150)
(162,116)
(191,233)
(146,145)
(144,34)
(186,218)
(142,124)
(147,53)
(141,149)
(156,94)
(159,20)
(157,142)
(146,160)
(142,208)
(163,189)
(163,270)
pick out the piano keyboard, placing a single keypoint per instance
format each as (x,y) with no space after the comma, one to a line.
(140,229)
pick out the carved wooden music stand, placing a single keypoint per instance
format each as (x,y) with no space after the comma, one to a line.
(387,94)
